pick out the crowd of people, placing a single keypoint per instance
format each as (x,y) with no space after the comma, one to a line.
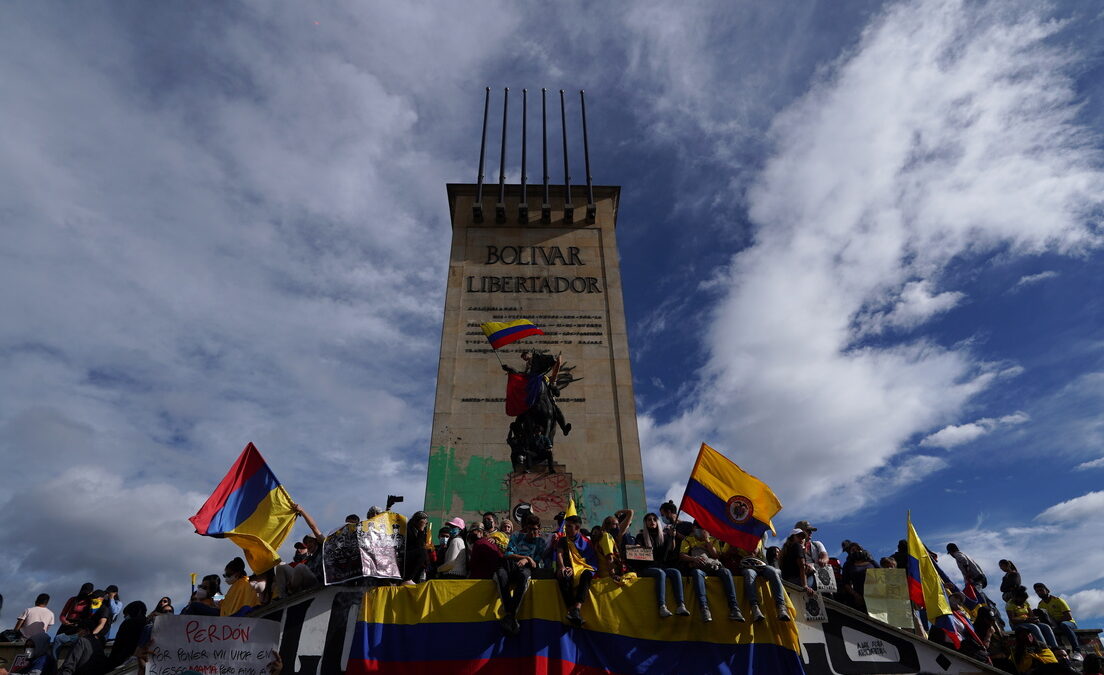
(665,548)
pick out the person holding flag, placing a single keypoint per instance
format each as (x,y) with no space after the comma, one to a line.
(733,506)
(928,594)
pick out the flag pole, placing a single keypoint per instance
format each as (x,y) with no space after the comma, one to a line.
(498,357)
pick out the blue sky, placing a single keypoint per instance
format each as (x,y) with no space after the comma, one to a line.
(859,242)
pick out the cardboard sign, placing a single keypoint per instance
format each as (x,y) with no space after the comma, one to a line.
(212,644)
(825,579)
(639,553)
(374,548)
(887,597)
(814,608)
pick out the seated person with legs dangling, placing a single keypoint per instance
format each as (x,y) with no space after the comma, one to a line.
(660,544)
(700,554)
(752,566)
(576,564)
(524,555)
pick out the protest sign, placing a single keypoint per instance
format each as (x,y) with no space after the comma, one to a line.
(212,644)
(825,577)
(887,597)
(814,608)
(374,548)
(643,553)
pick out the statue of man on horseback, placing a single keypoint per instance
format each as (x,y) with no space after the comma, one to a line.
(531,399)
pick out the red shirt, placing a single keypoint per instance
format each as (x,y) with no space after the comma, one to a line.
(484,557)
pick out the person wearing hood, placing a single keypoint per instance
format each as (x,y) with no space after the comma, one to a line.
(39,659)
(129,633)
(417,551)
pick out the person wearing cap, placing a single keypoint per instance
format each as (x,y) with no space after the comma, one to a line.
(112,592)
(300,552)
(313,542)
(814,552)
(455,564)
(1059,611)
(524,556)
(791,560)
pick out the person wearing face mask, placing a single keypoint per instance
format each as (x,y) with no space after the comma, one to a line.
(240,596)
(203,600)
(37,657)
(455,564)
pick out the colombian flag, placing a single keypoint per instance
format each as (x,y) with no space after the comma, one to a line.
(731,504)
(250,508)
(502,334)
(926,588)
(451,626)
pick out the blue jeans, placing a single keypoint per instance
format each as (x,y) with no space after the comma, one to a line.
(774,580)
(1041,631)
(726,581)
(1066,629)
(60,640)
(661,575)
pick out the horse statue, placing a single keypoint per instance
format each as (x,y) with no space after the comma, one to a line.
(533,431)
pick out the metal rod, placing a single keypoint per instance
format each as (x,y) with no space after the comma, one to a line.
(477,207)
(591,209)
(545,207)
(501,208)
(523,203)
(568,209)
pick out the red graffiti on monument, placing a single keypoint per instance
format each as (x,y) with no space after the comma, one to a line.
(546,493)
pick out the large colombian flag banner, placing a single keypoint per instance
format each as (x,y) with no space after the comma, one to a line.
(730,503)
(250,508)
(451,626)
(502,334)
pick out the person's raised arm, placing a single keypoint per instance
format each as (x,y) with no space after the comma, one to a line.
(624,520)
(299,510)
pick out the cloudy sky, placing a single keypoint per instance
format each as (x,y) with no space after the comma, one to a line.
(860,248)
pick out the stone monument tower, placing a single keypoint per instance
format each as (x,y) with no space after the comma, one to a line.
(548,254)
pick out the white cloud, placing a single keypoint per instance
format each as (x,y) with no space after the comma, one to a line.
(1030,279)
(1089,602)
(954,435)
(1091,464)
(948,131)
(915,305)
(1087,507)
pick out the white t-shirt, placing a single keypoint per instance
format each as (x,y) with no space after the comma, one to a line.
(36,620)
(813,551)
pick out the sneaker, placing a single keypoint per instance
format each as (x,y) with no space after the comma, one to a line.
(681,610)
(707,616)
(734,613)
(756,613)
(576,618)
(664,612)
(783,613)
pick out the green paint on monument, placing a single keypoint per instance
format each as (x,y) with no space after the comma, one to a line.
(477,485)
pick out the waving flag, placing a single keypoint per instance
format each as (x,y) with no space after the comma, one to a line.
(502,334)
(250,508)
(523,390)
(926,588)
(730,503)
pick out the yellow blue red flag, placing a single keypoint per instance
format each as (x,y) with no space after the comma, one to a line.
(926,588)
(502,334)
(730,503)
(250,508)
(452,626)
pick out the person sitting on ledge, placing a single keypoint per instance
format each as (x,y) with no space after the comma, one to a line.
(660,542)
(576,562)
(455,564)
(524,555)
(752,566)
(701,553)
